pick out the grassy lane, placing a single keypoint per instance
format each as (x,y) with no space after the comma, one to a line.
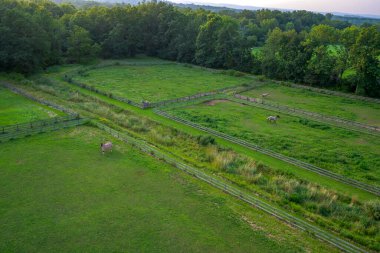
(323,181)
(351,109)
(124,201)
(16,109)
(348,153)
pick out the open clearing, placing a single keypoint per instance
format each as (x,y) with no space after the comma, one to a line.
(16,109)
(157,82)
(351,109)
(58,193)
(342,212)
(351,154)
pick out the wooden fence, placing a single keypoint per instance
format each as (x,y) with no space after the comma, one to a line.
(146,105)
(38,100)
(107,94)
(234,191)
(352,125)
(334,93)
(354,183)
(10,132)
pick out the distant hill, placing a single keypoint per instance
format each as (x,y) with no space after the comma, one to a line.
(353,19)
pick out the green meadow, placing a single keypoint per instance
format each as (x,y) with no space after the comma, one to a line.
(156,82)
(360,111)
(352,154)
(16,109)
(75,199)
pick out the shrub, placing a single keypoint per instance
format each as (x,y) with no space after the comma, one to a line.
(231,72)
(373,209)
(205,140)
(262,79)
(313,124)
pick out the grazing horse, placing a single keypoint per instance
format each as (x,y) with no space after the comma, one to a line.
(105,147)
(273,119)
(264,95)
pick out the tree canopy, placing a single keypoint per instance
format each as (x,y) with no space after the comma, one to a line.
(297,46)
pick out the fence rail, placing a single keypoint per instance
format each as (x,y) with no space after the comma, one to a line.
(187,98)
(335,93)
(145,105)
(38,100)
(107,94)
(234,191)
(294,111)
(209,94)
(354,183)
(26,129)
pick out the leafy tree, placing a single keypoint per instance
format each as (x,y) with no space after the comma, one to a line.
(283,56)
(322,68)
(206,41)
(81,47)
(298,46)
(365,57)
(24,45)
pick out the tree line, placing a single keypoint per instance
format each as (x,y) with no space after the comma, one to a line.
(296,46)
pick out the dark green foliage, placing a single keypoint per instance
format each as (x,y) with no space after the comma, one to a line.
(205,140)
(81,46)
(313,124)
(296,46)
(373,209)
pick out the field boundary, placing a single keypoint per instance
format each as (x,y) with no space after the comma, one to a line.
(331,92)
(23,93)
(235,192)
(352,125)
(354,183)
(10,132)
(147,105)
(107,94)
(193,97)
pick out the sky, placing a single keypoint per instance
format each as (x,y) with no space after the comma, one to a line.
(346,6)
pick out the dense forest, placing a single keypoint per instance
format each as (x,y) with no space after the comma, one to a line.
(296,46)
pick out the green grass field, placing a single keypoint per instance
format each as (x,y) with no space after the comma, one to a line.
(16,109)
(352,154)
(361,111)
(77,200)
(342,211)
(157,82)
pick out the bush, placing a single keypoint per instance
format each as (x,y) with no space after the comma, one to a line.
(373,209)
(262,79)
(312,124)
(206,140)
(232,72)
(15,76)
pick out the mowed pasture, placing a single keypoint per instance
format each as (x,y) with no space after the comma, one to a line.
(15,109)
(351,109)
(157,82)
(352,154)
(59,193)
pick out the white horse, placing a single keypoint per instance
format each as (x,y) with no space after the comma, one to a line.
(273,119)
(105,147)
(264,95)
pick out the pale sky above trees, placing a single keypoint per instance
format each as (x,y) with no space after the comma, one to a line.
(348,6)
